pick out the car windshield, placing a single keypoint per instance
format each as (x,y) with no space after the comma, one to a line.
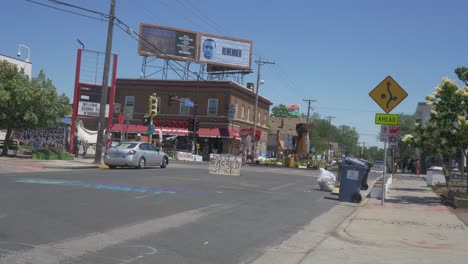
(126,145)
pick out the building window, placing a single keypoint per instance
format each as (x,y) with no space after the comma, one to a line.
(248,114)
(264,120)
(242,112)
(129,100)
(258,119)
(212,107)
(184,109)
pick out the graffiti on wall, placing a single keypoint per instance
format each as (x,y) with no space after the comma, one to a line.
(39,137)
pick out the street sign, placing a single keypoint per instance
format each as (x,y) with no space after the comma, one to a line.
(392,139)
(386,119)
(120,118)
(383,133)
(388,94)
(128,112)
(394,129)
(117,107)
(150,129)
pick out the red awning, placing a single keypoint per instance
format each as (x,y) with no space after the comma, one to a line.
(131,128)
(217,132)
(214,132)
(144,129)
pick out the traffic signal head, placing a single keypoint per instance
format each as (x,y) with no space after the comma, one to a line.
(191,124)
(153,105)
(196,125)
(172,99)
(145,120)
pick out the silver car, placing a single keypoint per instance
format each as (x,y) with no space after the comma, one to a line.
(135,154)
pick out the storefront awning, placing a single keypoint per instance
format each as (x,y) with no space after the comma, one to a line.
(216,132)
(213,132)
(144,129)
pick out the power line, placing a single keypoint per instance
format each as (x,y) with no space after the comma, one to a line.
(64,10)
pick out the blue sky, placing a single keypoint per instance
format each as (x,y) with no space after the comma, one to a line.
(332,51)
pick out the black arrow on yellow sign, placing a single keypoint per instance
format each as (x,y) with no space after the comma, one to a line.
(392,98)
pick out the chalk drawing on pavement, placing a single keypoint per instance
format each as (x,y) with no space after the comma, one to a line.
(111,187)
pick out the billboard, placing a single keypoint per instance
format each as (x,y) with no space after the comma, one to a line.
(224,51)
(167,43)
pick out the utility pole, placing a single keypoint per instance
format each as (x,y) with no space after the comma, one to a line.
(362,149)
(308,108)
(260,63)
(329,127)
(105,80)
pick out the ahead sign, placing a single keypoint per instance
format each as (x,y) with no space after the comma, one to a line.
(386,119)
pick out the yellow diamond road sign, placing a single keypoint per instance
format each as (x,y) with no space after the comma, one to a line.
(388,94)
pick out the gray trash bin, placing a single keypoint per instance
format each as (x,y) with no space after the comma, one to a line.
(352,174)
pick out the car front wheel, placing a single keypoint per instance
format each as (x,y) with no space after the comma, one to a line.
(164,163)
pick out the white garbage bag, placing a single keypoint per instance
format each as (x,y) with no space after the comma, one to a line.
(326,180)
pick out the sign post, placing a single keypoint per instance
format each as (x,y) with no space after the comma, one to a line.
(387,94)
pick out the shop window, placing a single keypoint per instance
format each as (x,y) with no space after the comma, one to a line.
(184,109)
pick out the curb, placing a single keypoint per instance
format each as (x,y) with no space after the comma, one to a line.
(341,229)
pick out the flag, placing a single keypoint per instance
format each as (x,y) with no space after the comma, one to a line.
(293,109)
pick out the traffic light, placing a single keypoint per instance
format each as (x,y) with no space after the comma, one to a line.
(196,125)
(153,105)
(145,120)
(172,98)
(191,124)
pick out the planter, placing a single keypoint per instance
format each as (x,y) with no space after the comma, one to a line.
(66,156)
(460,202)
(51,156)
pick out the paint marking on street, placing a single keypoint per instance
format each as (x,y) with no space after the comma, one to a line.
(92,243)
(240,189)
(283,186)
(105,186)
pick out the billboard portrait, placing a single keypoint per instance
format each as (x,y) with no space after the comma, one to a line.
(167,43)
(230,52)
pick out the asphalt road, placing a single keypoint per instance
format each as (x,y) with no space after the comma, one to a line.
(180,214)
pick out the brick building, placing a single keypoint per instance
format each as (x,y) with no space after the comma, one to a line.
(224,110)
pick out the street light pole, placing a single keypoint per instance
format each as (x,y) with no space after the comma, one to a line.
(329,127)
(259,64)
(105,80)
(26,47)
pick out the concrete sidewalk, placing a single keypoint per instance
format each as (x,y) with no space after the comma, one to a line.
(410,227)
(77,163)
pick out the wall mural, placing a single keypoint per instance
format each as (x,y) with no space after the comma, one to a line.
(39,137)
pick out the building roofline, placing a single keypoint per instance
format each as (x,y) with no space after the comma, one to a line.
(206,83)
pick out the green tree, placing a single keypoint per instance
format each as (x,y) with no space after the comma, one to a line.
(448,125)
(280,111)
(26,104)
(406,123)
(347,138)
(373,154)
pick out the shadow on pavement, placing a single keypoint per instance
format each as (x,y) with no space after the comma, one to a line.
(406,189)
(430,201)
